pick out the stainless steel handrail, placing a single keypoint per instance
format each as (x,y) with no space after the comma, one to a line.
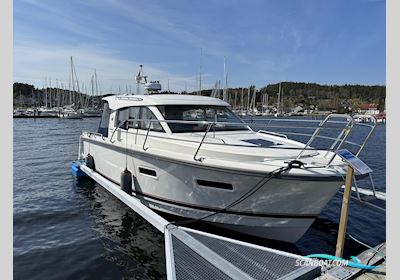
(347,129)
(339,141)
(147,135)
(318,129)
(361,146)
(295,120)
(94,133)
(122,97)
(201,143)
(183,122)
(115,129)
(298,127)
(373,119)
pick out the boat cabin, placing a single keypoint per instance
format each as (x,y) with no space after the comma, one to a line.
(168,113)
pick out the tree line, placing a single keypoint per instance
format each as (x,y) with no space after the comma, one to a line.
(325,97)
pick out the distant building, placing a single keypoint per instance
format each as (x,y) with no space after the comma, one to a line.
(369,109)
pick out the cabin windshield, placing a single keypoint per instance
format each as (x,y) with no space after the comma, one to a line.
(207,113)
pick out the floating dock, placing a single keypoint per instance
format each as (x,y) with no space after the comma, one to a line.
(375,257)
(194,254)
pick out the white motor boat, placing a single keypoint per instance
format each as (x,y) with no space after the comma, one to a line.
(92,112)
(70,113)
(191,156)
(48,112)
(19,112)
(242,114)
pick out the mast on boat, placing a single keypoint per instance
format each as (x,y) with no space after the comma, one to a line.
(150,87)
(140,79)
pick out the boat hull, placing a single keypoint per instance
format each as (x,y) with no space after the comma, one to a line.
(288,229)
(282,209)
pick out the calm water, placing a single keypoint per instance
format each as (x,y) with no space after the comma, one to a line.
(65,229)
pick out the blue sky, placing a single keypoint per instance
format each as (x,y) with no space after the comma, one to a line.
(327,42)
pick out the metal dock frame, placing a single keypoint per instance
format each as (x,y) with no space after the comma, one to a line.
(194,254)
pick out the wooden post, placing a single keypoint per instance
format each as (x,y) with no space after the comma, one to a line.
(344,213)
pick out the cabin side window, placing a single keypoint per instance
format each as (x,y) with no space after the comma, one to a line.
(147,115)
(131,114)
(105,120)
(195,115)
(136,113)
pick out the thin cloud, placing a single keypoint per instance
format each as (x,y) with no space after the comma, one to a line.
(267,41)
(33,62)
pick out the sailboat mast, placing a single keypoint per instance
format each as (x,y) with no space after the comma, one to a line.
(57,94)
(45,92)
(33,98)
(69,90)
(201,58)
(262,103)
(241,102)
(282,104)
(92,96)
(248,99)
(95,78)
(73,82)
(224,90)
(77,95)
(254,99)
(279,99)
(234,102)
(49,92)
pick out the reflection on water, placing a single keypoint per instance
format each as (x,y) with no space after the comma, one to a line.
(128,240)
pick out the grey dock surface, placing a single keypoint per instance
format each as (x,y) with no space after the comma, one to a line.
(370,257)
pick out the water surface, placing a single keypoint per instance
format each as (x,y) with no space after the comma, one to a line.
(69,229)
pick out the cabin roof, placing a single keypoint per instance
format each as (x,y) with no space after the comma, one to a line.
(121,101)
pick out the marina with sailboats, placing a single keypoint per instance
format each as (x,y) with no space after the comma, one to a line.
(77,101)
(61,101)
